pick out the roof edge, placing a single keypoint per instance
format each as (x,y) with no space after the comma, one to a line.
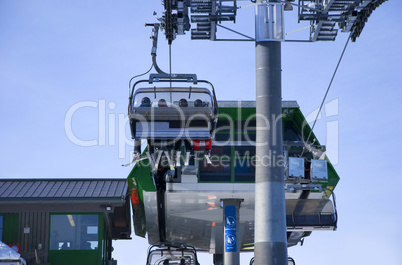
(63,179)
(252,103)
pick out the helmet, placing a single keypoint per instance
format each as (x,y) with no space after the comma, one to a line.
(183,102)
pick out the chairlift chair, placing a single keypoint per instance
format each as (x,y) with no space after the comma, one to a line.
(172,113)
(172,256)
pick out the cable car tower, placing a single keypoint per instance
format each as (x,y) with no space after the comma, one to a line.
(325,19)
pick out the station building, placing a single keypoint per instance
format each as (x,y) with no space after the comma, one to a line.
(64,221)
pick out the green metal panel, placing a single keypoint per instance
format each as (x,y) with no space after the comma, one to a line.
(10,228)
(140,176)
(76,257)
(140,180)
(235,114)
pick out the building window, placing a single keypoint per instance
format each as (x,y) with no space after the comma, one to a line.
(244,163)
(245,170)
(1,227)
(74,232)
(219,170)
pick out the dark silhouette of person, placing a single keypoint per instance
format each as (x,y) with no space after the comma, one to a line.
(162,103)
(198,103)
(183,103)
(145,102)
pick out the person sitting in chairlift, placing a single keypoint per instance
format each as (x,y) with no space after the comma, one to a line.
(198,103)
(183,103)
(145,102)
(162,103)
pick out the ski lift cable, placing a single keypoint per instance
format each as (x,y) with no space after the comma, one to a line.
(326,93)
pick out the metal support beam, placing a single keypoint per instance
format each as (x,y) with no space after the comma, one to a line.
(231,254)
(218,259)
(270,243)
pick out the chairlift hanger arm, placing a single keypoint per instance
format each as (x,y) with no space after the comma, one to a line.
(154,38)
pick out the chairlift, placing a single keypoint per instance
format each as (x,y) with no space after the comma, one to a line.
(172,256)
(172,113)
(291,261)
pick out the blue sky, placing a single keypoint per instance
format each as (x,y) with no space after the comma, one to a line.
(59,55)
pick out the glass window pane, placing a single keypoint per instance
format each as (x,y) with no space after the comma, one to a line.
(151,99)
(92,230)
(74,232)
(194,99)
(217,171)
(249,137)
(191,98)
(245,169)
(245,150)
(222,139)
